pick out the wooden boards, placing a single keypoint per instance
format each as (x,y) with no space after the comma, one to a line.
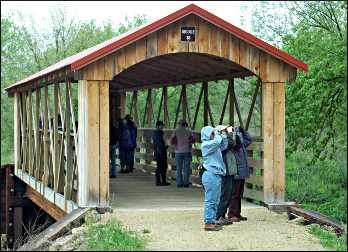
(94,136)
(209,39)
(55,230)
(273,126)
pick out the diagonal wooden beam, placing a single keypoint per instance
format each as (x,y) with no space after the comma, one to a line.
(224,106)
(165,107)
(237,108)
(197,108)
(231,117)
(258,84)
(160,108)
(178,109)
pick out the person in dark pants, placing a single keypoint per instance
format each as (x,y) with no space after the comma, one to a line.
(127,144)
(227,180)
(243,140)
(160,149)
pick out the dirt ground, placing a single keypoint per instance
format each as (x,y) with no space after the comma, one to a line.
(183,230)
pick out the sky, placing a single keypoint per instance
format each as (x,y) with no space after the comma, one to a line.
(117,10)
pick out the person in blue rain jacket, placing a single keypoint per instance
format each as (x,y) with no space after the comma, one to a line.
(213,143)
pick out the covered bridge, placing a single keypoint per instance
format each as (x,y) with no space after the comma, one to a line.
(62,151)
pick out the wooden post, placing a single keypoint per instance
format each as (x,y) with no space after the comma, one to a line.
(273,125)
(45,138)
(165,107)
(206,109)
(231,85)
(16,133)
(37,135)
(279,141)
(93,190)
(184,102)
(30,134)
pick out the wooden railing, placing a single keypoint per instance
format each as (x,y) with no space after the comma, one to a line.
(45,146)
(144,158)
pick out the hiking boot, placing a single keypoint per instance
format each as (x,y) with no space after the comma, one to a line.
(234,219)
(242,218)
(212,227)
(224,221)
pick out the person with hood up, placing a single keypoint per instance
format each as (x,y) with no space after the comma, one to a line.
(213,143)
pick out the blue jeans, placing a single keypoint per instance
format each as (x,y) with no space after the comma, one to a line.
(112,166)
(212,188)
(181,158)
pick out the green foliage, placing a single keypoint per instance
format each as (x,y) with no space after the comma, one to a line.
(321,186)
(329,239)
(112,236)
(25,50)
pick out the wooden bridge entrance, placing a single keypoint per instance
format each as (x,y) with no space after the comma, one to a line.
(62,113)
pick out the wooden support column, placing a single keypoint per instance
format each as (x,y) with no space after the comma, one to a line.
(30,134)
(45,138)
(205,103)
(93,136)
(17,132)
(37,135)
(279,141)
(273,125)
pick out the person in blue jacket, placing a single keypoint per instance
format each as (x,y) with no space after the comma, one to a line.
(128,143)
(213,143)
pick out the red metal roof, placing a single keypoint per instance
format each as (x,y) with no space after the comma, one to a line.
(91,54)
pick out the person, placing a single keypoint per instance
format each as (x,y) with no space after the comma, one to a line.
(160,149)
(112,149)
(182,140)
(213,143)
(127,144)
(227,180)
(243,140)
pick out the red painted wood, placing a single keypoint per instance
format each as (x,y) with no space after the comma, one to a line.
(87,56)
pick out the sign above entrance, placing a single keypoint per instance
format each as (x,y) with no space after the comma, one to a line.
(188,33)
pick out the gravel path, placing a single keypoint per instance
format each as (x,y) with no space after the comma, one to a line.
(183,230)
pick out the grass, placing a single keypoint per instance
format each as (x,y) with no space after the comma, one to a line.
(112,236)
(329,239)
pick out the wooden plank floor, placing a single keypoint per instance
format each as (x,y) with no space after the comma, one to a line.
(137,191)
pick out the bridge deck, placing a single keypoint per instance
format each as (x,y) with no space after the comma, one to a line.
(137,191)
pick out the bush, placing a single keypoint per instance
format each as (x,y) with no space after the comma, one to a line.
(321,186)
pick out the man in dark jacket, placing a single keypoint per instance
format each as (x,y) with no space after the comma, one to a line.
(128,143)
(160,149)
(227,180)
(243,140)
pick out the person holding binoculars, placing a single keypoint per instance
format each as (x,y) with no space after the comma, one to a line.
(213,143)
